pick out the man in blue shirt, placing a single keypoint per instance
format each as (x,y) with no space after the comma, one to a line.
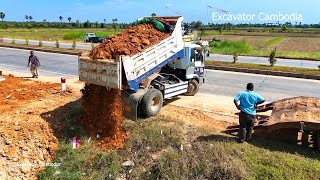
(248,104)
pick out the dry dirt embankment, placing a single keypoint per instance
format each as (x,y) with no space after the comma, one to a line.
(27,141)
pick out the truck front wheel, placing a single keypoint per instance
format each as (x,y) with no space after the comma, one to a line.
(151,103)
(193,88)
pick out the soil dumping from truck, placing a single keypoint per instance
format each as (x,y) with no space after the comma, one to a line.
(130,42)
(102,115)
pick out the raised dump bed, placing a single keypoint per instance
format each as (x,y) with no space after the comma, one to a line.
(136,68)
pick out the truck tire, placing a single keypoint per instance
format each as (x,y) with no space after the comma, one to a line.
(151,103)
(193,88)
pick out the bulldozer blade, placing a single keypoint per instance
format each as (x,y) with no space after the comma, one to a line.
(130,106)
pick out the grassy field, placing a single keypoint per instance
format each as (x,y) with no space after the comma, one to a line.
(53,34)
(295,43)
(266,67)
(297,48)
(206,154)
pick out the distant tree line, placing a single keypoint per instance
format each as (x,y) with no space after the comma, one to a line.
(115,25)
(62,25)
(70,24)
(230,26)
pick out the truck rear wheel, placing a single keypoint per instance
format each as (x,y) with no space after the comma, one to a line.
(151,103)
(193,88)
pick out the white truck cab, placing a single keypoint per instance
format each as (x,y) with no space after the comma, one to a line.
(88,36)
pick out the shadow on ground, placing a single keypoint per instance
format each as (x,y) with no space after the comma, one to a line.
(65,120)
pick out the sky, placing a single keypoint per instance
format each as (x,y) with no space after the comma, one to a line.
(131,10)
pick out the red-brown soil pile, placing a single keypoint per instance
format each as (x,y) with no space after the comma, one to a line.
(27,142)
(130,42)
(103,115)
(16,91)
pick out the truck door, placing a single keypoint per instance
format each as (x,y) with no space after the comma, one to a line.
(199,62)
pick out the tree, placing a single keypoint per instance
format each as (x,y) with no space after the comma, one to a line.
(86,24)
(272,57)
(2,15)
(104,20)
(30,18)
(27,17)
(153,14)
(197,24)
(114,20)
(61,18)
(78,24)
(284,27)
(69,19)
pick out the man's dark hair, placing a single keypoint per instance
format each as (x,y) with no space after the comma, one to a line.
(250,87)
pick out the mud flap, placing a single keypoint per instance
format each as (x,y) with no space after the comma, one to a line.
(130,105)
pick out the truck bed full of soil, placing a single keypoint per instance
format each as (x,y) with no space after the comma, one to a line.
(130,42)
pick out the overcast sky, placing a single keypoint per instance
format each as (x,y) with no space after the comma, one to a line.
(130,10)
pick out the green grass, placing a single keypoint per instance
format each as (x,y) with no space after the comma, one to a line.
(244,48)
(52,34)
(79,34)
(266,67)
(274,40)
(205,154)
(230,47)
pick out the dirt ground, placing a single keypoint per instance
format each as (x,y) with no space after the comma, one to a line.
(27,141)
(29,133)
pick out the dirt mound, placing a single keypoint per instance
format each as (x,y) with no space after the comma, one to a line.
(16,91)
(27,142)
(103,115)
(130,42)
(296,109)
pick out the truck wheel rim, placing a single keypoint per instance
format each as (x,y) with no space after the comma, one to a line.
(155,103)
(191,87)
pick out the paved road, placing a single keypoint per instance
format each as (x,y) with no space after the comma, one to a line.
(217,57)
(263,60)
(16,60)
(218,82)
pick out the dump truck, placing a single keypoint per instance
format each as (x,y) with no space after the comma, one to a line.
(167,69)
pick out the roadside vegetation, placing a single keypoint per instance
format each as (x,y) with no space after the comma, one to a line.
(163,148)
(53,34)
(304,71)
